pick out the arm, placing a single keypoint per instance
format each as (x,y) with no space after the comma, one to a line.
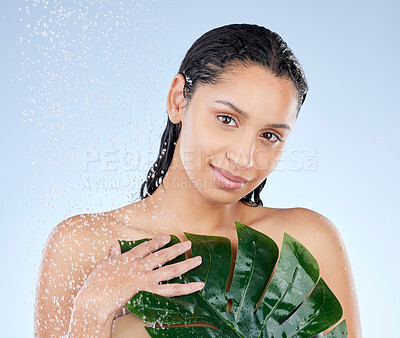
(71,252)
(81,289)
(84,324)
(64,266)
(323,240)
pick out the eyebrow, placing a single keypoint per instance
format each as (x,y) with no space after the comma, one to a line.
(244,114)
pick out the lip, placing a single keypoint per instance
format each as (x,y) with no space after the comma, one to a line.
(230,176)
(227,179)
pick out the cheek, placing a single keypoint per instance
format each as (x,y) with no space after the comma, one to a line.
(194,145)
(187,150)
(201,144)
(265,161)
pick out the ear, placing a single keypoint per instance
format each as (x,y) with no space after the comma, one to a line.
(176,103)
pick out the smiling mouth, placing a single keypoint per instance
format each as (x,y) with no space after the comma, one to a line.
(227,179)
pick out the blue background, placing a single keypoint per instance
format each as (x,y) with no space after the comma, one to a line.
(83,89)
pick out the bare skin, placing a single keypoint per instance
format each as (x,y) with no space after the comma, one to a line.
(79,260)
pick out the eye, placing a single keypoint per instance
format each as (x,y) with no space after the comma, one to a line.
(271,137)
(226,119)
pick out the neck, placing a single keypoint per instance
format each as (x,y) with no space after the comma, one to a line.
(179,206)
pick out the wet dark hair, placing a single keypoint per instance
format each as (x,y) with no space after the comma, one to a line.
(212,54)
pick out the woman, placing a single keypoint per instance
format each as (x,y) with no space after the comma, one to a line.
(231,108)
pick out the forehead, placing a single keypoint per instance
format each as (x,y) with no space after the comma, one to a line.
(256,90)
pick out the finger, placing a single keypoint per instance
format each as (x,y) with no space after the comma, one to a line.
(148,247)
(163,256)
(115,250)
(174,270)
(172,290)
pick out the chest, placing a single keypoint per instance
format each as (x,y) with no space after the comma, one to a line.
(125,326)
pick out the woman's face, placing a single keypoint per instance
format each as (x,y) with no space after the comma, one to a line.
(237,127)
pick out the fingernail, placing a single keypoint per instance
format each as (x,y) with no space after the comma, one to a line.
(200,285)
(198,259)
(187,244)
(165,238)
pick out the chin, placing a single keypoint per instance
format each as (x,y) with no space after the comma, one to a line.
(218,196)
(221,201)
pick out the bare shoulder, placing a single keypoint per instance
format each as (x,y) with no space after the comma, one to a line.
(311,219)
(72,250)
(322,238)
(309,227)
(319,235)
(313,222)
(76,245)
(76,226)
(306,219)
(82,230)
(95,233)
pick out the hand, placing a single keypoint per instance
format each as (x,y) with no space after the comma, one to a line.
(120,276)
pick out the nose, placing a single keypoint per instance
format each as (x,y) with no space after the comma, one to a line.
(242,153)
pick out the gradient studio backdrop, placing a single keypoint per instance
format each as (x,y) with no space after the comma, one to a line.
(83,89)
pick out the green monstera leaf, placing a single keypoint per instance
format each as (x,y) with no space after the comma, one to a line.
(296,303)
